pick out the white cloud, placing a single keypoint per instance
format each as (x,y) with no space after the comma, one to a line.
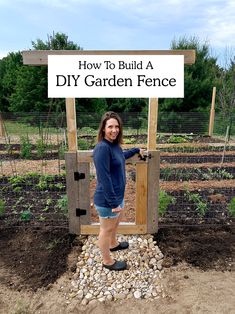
(121,24)
(3,54)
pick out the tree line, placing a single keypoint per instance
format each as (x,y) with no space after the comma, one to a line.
(24,88)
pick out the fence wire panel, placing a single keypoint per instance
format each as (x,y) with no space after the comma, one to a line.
(196,187)
(197,175)
(135,123)
(33,198)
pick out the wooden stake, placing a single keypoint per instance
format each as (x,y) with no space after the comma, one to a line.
(212,113)
(152,123)
(71,124)
(2,129)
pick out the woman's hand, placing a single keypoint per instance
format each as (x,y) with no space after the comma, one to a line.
(141,152)
(142,155)
(117,209)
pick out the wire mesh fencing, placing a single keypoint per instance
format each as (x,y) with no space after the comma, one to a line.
(197,173)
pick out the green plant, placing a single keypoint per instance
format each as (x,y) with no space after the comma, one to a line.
(166,173)
(216,174)
(131,140)
(87,131)
(42,218)
(19,201)
(40,148)
(25,147)
(17,189)
(16,180)
(62,204)
(231,207)
(83,144)
(2,207)
(26,215)
(164,201)
(201,206)
(49,201)
(59,186)
(32,174)
(51,245)
(177,139)
(42,184)
(61,150)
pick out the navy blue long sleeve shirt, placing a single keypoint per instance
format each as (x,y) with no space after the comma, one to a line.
(109,160)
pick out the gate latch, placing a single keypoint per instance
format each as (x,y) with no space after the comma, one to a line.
(145,156)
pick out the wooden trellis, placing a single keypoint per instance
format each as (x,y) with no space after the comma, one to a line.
(78,162)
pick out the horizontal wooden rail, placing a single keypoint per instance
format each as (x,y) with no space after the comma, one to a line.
(123,228)
(86,156)
(39,57)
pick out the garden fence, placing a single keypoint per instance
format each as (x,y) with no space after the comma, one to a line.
(197,180)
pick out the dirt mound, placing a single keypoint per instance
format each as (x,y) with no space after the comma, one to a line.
(207,249)
(33,257)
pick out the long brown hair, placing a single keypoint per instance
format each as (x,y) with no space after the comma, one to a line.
(110,115)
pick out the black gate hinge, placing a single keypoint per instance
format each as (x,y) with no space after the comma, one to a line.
(80,212)
(79,176)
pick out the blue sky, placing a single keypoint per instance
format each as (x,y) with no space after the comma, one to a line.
(118,24)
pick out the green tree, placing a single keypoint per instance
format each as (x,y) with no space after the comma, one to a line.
(226,90)
(30,92)
(226,95)
(56,41)
(9,67)
(199,78)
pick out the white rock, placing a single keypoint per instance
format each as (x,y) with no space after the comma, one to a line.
(74,283)
(80,294)
(92,282)
(109,297)
(137,294)
(84,302)
(107,293)
(120,296)
(90,261)
(102,299)
(88,296)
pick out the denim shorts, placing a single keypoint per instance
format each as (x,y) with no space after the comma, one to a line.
(106,212)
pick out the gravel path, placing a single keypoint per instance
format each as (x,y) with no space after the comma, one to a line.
(142,280)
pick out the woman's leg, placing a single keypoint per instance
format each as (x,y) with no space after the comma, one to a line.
(114,241)
(107,227)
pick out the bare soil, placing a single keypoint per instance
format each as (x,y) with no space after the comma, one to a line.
(36,266)
(37,261)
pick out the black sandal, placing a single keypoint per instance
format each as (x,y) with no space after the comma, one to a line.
(121,246)
(117,265)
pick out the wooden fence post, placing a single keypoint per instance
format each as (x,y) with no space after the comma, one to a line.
(153,191)
(72,189)
(212,113)
(71,124)
(2,129)
(153,170)
(152,123)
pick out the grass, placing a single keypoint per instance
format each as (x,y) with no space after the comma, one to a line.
(20,129)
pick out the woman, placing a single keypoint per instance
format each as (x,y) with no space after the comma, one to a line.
(109,160)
